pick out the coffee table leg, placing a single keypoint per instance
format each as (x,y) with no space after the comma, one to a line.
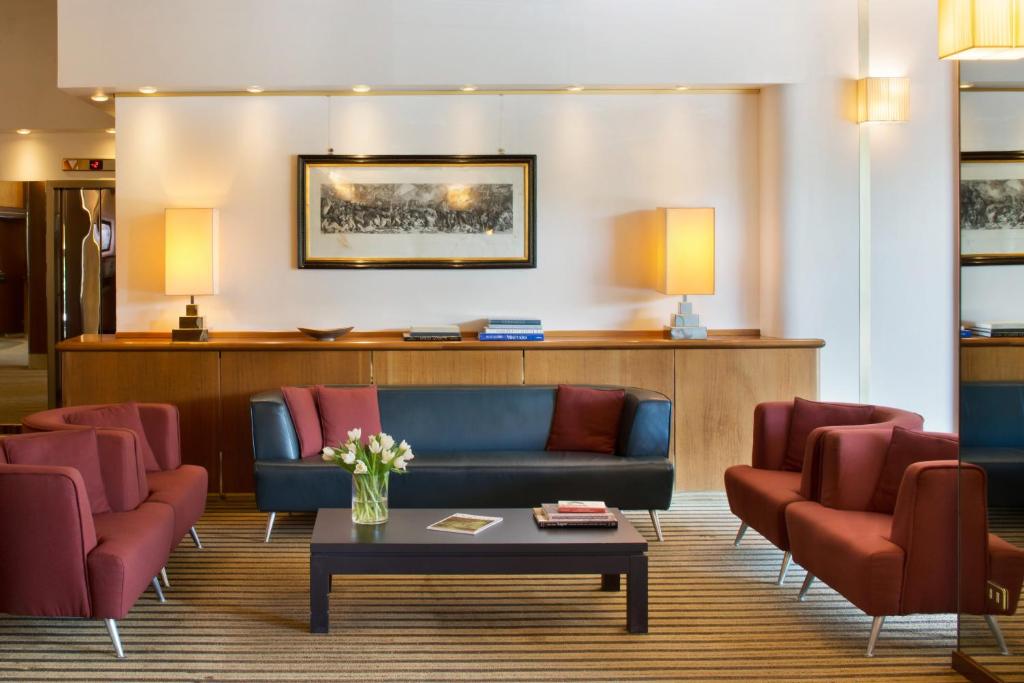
(636,595)
(610,582)
(319,596)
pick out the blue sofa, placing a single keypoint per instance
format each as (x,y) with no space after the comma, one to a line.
(476,447)
(992,436)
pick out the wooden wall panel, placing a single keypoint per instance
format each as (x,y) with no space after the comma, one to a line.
(448,367)
(716,391)
(992,364)
(244,373)
(189,380)
(12,194)
(646,369)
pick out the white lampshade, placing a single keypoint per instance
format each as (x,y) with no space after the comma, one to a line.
(190,251)
(883,100)
(981,29)
(688,251)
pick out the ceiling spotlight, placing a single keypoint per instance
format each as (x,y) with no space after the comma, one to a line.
(111,130)
(254,89)
(147,90)
(100,97)
(575,88)
(360,88)
(468,88)
(23,131)
(681,88)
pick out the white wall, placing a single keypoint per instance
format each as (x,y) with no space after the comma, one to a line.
(38,156)
(603,161)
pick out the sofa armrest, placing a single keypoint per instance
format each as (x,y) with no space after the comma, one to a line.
(273,434)
(47,532)
(1006,569)
(851,461)
(122,469)
(161,422)
(811,472)
(771,434)
(645,426)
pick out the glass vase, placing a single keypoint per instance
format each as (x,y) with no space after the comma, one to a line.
(370,498)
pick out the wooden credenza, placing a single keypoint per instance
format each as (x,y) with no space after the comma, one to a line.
(714,384)
(992,360)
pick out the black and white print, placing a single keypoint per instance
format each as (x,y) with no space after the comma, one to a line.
(992,204)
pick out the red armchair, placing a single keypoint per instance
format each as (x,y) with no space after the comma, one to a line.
(182,487)
(760,493)
(77,542)
(898,559)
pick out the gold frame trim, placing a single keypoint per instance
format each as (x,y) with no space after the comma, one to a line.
(456,91)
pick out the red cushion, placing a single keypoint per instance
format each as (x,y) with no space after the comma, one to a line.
(345,408)
(808,416)
(184,489)
(586,419)
(301,402)
(760,497)
(69,448)
(119,416)
(906,448)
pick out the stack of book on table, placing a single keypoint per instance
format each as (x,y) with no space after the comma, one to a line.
(575,514)
(512,329)
(433,333)
(1009,329)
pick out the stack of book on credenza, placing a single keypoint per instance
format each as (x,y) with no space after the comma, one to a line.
(575,514)
(435,333)
(1008,329)
(512,329)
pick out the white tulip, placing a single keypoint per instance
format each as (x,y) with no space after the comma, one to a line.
(386,441)
(355,434)
(404,446)
(375,446)
(348,457)
(387,455)
(400,462)
(328,453)
(360,468)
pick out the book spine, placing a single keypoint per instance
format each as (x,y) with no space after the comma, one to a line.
(511,322)
(484,336)
(593,525)
(513,330)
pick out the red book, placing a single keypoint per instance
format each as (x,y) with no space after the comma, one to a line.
(582,506)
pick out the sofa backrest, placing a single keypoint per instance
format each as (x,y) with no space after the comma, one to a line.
(992,414)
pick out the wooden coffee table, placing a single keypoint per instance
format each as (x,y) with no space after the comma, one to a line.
(404,545)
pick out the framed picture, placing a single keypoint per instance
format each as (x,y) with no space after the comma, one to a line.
(417,211)
(991,208)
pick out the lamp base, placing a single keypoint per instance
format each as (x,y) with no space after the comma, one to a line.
(685,324)
(190,335)
(190,326)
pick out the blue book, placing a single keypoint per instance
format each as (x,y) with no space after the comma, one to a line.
(513,322)
(484,336)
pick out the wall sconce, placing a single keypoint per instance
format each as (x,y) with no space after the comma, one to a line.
(190,254)
(883,100)
(687,264)
(981,29)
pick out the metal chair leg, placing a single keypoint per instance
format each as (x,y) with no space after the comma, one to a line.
(786,559)
(163,575)
(739,534)
(270,526)
(159,591)
(195,537)
(115,637)
(657,524)
(808,580)
(876,628)
(993,625)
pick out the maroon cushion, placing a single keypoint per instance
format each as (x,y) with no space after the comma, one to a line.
(184,489)
(906,448)
(69,448)
(808,416)
(346,408)
(301,402)
(119,416)
(586,419)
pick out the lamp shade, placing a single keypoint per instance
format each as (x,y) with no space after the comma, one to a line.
(981,29)
(883,100)
(190,251)
(688,251)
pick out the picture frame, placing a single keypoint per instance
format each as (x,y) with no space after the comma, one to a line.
(417,211)
(991,208)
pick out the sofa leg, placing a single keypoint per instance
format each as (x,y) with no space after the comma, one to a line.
(993,626)
(805,587)
(163,575)
(115,637)
(876,628)
(657,524)
(784,569)
(739,534)
(159,591)
(195,537)
(270,526)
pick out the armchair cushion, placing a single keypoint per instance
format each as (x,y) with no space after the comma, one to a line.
(346,408)
(906,448)
(810,415)
(184,489)
(759,497)
(119,416)
(585,419)
(301,403)
(72,448)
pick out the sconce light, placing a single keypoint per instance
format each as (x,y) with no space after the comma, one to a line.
(883,100)
(190,253)
(981,29)
(687,265)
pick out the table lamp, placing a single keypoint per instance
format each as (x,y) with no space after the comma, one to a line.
(688,265)
(190,252)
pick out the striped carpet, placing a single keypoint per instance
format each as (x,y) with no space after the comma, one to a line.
(238,610)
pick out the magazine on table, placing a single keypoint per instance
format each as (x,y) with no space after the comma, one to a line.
(464,523)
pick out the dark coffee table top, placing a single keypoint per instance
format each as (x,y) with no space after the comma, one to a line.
(406,531)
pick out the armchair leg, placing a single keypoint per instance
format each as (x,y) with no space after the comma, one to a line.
(270,526)
(115,637)
(657,524)
(739,534)
(876,628)
(159,591)
(163,575)
(784,569)
(805,587)
(195,537)
(993,626)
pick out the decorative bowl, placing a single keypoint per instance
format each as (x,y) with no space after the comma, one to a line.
(325,335)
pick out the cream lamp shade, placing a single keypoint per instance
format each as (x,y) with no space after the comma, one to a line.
(688,251)
(883,100)
(981,29)
(190,251)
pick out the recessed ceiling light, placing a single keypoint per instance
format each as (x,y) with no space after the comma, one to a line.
(681,88)
(111,130)
(100,97)
(360,88)
(575,88)
(468,88)
(23,131)
(147,90)
(254,89)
